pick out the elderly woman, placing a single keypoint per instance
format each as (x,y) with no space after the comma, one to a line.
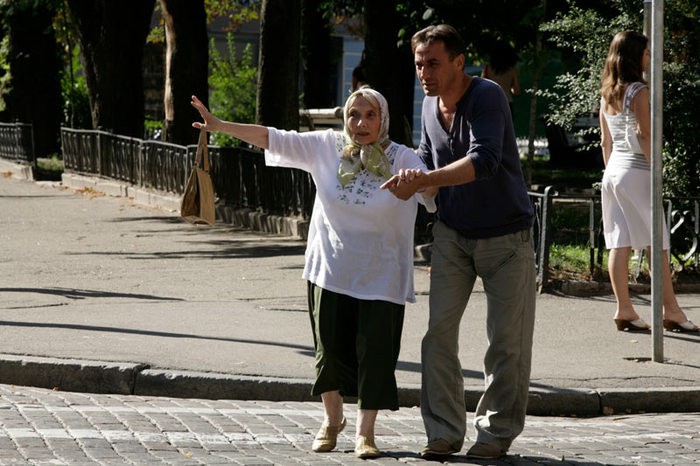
(359,256)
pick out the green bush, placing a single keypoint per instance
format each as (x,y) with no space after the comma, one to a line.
(76,103)
(233,87)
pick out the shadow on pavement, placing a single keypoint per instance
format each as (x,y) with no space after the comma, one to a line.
(83,294)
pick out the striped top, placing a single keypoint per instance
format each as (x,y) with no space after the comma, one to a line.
(626,150)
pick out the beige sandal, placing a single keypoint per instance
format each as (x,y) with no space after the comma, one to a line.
(365,447)
(327,437)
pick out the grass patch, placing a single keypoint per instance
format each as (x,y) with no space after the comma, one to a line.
(573,262)
(49,169)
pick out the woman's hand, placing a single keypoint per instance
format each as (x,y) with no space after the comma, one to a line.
(256,135)
(211,123)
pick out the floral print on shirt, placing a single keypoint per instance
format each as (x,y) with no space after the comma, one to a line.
(365,184)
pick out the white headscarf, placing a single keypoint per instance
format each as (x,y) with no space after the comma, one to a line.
(376,99)
(370,157)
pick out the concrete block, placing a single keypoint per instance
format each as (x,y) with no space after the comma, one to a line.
(650,400)
(563,402)
(204,385)
(73,375)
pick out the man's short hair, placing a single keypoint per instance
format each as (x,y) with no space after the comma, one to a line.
(454,45)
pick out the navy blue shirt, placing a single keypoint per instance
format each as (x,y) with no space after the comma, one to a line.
(496,203)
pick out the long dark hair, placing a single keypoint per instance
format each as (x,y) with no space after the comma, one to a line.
(622,66)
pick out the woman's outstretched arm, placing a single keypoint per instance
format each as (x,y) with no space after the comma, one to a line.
(256,135)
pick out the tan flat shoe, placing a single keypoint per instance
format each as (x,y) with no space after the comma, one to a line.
(365,447)
(327,437)
(680,327)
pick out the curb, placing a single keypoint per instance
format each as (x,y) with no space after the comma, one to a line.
(21,171)
(138,379)
(582,288)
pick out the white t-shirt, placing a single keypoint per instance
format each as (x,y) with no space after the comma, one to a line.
(360,239)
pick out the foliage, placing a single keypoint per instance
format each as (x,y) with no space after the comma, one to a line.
(236,13)
(153,129)
(480,24)
(74,92)
(76,103)
(682,99)
(585,33)
(5,72)
(233,87)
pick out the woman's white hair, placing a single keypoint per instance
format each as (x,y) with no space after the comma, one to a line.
(376,99)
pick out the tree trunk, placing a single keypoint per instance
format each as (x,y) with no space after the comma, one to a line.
(278,67)
(35,95)
(112,35)
(390,68)
(536,73)
(186,67)
(316,56)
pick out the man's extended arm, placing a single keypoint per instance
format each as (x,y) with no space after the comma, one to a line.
(407,182)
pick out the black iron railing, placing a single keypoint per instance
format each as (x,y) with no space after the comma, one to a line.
(17,142)
(682,216)
(241,178)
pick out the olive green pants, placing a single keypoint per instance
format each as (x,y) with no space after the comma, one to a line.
(357,346)
(506,265)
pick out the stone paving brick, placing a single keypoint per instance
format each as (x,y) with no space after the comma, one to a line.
(105,429)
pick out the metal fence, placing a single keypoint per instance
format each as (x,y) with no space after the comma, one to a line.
(682,216)
(542,204)
(17,142)
(240,177)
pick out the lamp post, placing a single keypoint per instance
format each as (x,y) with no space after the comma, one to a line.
(654,26)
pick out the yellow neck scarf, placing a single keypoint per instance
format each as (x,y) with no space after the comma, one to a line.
(355,157)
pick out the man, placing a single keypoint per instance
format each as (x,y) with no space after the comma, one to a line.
(484,229)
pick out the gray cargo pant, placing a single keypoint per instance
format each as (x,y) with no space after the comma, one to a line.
(506,265)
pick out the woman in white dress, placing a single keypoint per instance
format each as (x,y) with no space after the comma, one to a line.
(359,255)
(626,191)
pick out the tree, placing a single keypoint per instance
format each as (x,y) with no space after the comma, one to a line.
(33,70)
(390,65)
(536,59)
(112,37)
(316,52)
(278,65)
(186,60)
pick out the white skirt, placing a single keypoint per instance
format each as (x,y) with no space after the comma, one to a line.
(626,199)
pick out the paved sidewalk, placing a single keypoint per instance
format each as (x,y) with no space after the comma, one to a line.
(39,426)
(99,294)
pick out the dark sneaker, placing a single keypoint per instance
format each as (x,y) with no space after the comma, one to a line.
(437,447)
(485,451)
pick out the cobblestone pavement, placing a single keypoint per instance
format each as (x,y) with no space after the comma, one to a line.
(39,426)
